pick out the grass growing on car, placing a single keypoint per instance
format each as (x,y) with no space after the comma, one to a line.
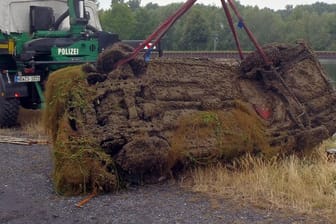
(219,136)
(80,166)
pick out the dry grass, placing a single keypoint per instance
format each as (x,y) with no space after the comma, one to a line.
(29,125)
(307,185)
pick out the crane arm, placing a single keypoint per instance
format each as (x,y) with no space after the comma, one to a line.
(77,14)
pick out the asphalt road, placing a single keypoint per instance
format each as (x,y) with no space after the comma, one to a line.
(27,197)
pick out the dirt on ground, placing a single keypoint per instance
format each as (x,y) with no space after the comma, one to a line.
(146,122)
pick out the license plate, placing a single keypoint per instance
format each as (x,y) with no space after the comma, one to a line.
(28,78)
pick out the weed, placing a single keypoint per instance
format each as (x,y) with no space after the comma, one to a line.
(305,184)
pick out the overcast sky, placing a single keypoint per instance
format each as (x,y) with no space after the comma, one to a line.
(273,4)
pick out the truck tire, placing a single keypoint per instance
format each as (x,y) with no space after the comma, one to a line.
(9,111)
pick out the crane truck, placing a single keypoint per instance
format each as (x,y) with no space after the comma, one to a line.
(38,37)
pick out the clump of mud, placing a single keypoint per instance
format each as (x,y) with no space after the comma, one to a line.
(108,60)
(140,122)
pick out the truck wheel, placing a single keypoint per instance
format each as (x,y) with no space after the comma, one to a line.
(9,111)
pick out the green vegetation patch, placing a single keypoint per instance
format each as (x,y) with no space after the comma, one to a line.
(80,166)
(219,136)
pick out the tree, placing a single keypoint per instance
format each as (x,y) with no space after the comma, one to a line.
(134,4)
(198,29)
(119,19)
(144,24)
(152,6)
(114,2)
(195,32)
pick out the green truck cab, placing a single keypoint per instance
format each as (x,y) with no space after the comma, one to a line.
(38,37)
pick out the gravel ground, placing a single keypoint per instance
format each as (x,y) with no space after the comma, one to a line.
(27,196)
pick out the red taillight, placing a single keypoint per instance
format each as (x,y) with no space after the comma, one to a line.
(29,70)
(16,95)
